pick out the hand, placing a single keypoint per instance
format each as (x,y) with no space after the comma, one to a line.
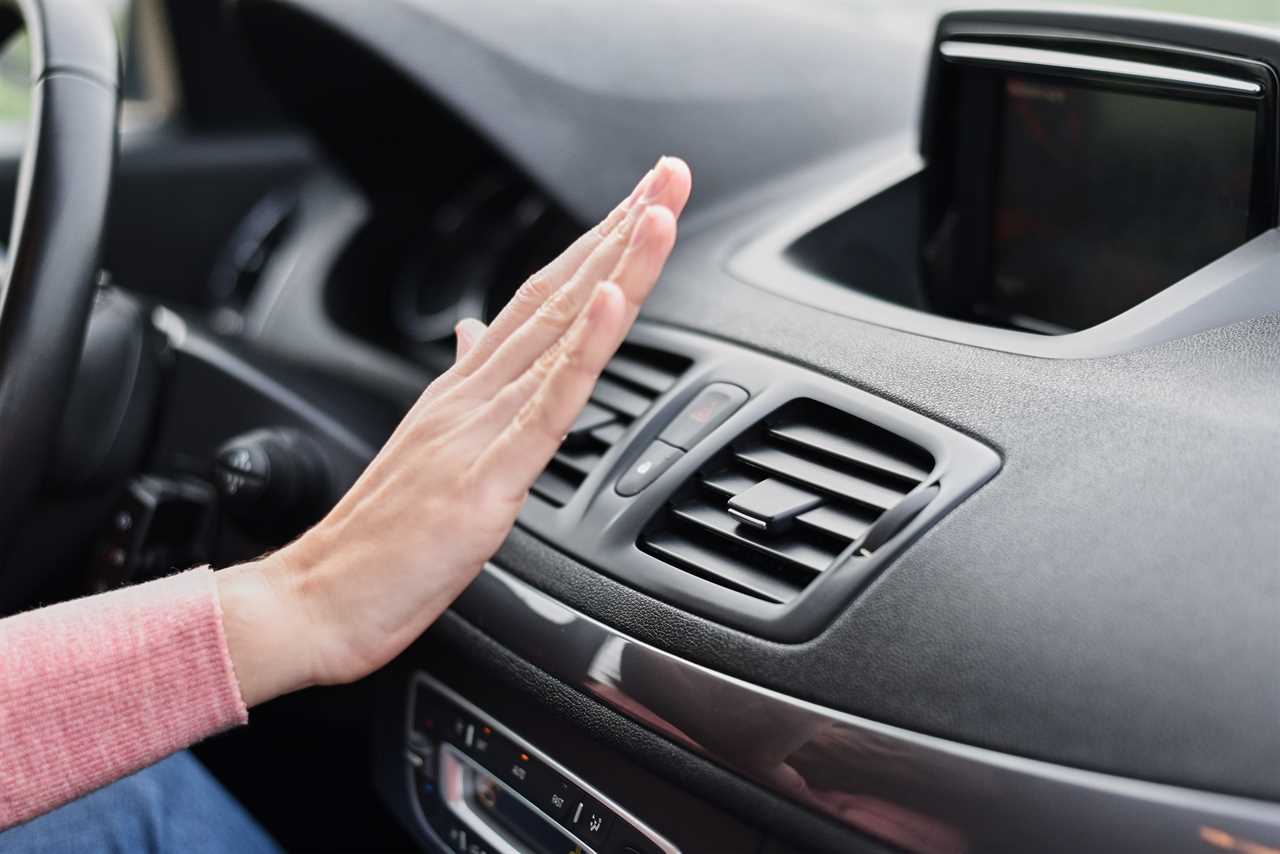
(442,494)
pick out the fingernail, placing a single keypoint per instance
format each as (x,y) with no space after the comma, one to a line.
(638,189)
(658,183)
(605,292)
(468,330)
(644,227)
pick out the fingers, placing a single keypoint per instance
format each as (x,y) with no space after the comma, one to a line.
(468,332)
(634,266)
(667,185)
(637,271)
(546,400)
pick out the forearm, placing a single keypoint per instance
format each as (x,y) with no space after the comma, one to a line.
(94,689)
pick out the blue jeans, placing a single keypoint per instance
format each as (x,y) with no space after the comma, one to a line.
(173,806)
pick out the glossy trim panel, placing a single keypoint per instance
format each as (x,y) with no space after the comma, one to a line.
(911,790)
(1015,55)
(623,815)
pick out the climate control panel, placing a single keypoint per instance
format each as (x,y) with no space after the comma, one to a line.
(482,789)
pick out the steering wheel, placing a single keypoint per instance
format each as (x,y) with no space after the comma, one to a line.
(59,216)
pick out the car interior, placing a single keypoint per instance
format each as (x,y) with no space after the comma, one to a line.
(931,505)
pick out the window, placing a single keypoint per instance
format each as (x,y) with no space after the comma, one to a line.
(149,84)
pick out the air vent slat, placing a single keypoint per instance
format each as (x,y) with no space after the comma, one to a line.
(591,418)
(619,398)
(730,482)
(710,563)
(849,449)
(793,549)
(638,373)
(729,522)
(610,433)
(554,487)
(837,522)
(631,382)
(581,460)
(779,462)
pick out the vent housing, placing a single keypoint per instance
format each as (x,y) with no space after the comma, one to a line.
(629,385)
(850,478)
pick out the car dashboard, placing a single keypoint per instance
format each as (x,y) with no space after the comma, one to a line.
(931,503)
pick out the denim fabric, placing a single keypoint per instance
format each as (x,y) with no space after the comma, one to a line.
(173,806)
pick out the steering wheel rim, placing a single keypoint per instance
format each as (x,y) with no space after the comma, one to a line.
(59,218)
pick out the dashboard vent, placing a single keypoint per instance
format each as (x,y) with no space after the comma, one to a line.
(628,386)
(775,509)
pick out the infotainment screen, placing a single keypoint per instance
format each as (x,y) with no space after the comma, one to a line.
(1103,197)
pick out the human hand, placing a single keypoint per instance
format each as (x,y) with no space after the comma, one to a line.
(440,497)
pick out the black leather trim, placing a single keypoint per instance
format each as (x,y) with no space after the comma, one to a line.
(59,215)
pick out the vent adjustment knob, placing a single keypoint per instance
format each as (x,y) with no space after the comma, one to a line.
(771,505)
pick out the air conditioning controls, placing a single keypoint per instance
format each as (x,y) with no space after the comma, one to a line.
(482,789)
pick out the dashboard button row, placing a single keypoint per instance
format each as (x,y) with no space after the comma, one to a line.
(436,719)
(713,405)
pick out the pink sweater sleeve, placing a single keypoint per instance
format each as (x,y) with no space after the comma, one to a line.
(97,688)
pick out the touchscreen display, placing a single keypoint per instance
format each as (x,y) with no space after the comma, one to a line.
(1105,197)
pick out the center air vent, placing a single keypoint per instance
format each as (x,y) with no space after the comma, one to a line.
(630,383)
(788,498)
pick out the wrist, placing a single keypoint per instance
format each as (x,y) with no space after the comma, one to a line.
(266,628)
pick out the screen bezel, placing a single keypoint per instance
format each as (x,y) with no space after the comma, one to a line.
(957,259)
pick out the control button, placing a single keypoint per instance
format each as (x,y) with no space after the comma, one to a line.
(487,746)
(525,774)
(242,471)
(458,726)
(656,459)
(591,821)
(557,798)
(424,781)
(627,840)
(430,715)
(706,412)
(457,836)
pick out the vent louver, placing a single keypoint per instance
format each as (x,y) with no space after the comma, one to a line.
(630,383)
(776,509)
